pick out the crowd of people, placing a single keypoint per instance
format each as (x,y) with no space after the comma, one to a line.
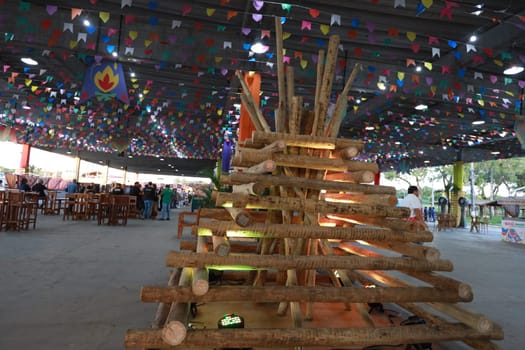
(151,198)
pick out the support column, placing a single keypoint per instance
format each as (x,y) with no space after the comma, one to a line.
(24,158)
(377,178)
(457,191)
(106,175)
(246,126)
(125,175)
(77,168)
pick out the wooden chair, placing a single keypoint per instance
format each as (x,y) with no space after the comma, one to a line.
(104,209)
(133,212)
(484,224)
(29,214)
(3,207)
(52,204)
(187,219)
(474,224)
(14,210)
(119,210)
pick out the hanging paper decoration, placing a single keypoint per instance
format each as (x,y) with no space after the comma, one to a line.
(105,80)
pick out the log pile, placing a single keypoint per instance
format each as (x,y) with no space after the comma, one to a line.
(307,228)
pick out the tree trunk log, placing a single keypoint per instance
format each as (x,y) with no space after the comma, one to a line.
(188,259)
(308,337)
(240,247)
(359,177)
(264,167)
(223,215)
(405,248)
(305,141)
(372,199)
(395,224)
(163,309)
(221,228)
(308,205)
(290,293)
(253,189)
(439,281)
(245,158)
(346,153)
(174,330)
(313,184)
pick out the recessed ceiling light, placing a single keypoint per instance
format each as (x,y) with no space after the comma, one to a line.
(418,69)
(473,38)
(369,128)
(426,161)
(132,74)
(478,122)
(26,107)
(130,156)
(114,54)
(259,48)
(421,107)
(495,152)
(161,159)
(514,69)
(29,61)
(86,23)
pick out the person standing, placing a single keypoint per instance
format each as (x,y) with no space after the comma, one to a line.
(72,187)
(149,198)
(413,202)
(166,198)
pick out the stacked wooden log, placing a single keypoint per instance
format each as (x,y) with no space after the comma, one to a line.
(306,228)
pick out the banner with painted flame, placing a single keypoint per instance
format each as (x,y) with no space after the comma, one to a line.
(105,81)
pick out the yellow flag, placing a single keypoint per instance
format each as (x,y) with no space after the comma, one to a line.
(104,16)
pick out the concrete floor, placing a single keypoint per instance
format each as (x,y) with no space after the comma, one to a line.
(75,285)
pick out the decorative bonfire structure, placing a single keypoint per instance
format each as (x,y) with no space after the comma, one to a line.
(309,234)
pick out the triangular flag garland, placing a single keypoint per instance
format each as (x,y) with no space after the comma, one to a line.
(149,41)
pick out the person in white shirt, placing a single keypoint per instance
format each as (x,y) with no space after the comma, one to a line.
(413,202)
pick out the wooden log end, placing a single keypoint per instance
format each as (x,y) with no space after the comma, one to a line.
(484,325)
(465,292)
(349,152)
(174,333)
(243,219)
(269,165)
(200,287)
(432,254)
(222,250)
(367,177)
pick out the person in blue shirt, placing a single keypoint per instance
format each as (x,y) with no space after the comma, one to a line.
(72,187)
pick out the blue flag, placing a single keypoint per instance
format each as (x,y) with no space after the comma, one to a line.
(104,80)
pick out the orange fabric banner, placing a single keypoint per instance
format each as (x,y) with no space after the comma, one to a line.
(24,159)
(246,126)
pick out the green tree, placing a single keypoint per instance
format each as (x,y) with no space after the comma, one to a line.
(509,173)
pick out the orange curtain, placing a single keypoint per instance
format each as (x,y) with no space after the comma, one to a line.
(246,126)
